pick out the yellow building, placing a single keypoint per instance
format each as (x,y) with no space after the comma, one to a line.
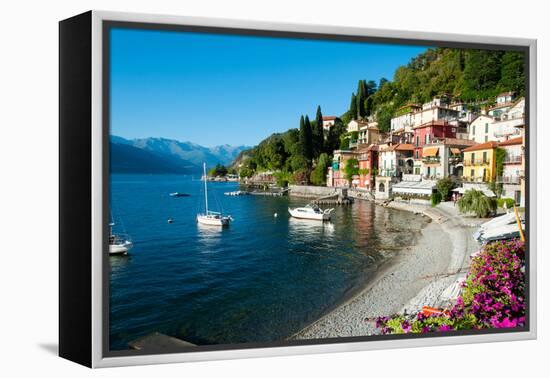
(480,163)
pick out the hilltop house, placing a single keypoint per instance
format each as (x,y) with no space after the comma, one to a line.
(404,118)
(504,101)
(512,169)
(369,133)
(506,126)
(479,162)
(328,122)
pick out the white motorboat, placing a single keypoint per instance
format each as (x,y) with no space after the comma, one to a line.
(118,244)
(211,218)
(236,193)
(310,211)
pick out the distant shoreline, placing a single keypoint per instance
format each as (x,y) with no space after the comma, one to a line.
(416,276)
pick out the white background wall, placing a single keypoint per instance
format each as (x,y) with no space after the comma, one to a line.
(28,194)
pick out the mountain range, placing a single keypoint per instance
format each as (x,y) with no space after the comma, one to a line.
(161,155)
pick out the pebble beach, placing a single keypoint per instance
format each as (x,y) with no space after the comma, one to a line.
(420,275)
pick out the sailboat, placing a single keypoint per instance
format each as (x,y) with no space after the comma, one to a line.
(211,218)
(118,244)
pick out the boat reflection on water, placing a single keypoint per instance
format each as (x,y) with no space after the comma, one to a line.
(209,235)
(118,262)
(306,229)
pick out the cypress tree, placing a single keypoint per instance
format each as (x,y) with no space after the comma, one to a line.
(308,140)
(318,136)
(353,106)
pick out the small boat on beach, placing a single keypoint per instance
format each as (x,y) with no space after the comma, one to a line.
(118,244)
(311,211)
(211,218)
(178,194)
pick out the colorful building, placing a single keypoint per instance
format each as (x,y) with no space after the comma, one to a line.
(479,162)
(426,134)
(368,166)
(443,158)
(336,176)
(394,160)
(368,134)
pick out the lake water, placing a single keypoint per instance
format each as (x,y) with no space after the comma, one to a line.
(260,280)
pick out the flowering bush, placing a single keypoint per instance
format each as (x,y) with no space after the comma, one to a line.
(492,296)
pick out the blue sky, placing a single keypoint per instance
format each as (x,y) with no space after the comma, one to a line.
(221,89)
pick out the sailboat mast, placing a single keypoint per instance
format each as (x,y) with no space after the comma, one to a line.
(205,187)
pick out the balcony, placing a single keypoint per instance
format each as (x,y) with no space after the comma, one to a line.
(352,143)
(509,179)
(513,159)
(473,179)
(471,162)
(431,160)
(453,160)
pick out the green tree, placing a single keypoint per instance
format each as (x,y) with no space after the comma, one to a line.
(444,186)
(474,201)
(353,107)
(318,133)
(351,169)
(481,73)
(435,198)
(513,72)
(319,174)
(305,138)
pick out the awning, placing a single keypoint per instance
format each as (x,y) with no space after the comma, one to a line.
(455,151)
(430,151)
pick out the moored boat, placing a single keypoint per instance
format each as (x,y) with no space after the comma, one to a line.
(236,193)
(118,244)
(211,218)
(311,211)
(178,194)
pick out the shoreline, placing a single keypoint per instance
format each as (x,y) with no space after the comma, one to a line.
(416,277)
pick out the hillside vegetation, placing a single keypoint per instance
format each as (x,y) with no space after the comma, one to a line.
(302,155)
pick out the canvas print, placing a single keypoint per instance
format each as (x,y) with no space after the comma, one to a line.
(271,190)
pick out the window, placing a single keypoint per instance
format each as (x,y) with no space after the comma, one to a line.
(416,170)
(427,139)
(484,157)
(486,138)
(417,154)
(473,157)
(473,129)
(486,128)
(417,141)
(472,173)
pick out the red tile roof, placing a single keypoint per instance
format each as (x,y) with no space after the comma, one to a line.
(329,118)
(511,142)
(439,122)
(402,147)
(482,146)
(454,141)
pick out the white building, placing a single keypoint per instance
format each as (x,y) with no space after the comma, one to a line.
(404,121)
(328,122)
(509,124)
(504,102)
(512,169)
(482,129)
